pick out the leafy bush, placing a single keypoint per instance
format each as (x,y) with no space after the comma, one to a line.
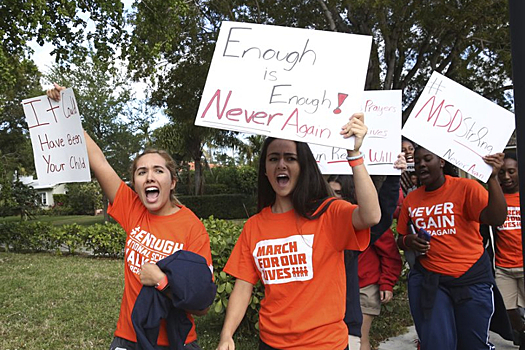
(105,239)
(60,199)
(17,198)
(25,236)
(102,240)
(6,210)
(223,236)
(60,210)
(83,198)
(247,180)
(216,189)
(70,237)
(238,179)
(223,206)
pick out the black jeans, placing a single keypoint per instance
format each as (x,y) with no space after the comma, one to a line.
(264,346)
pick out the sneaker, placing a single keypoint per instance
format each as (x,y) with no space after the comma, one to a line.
(517,337)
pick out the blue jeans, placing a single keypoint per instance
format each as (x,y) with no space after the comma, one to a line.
(124,344)
(452,326)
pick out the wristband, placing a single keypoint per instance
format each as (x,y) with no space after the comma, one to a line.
(356,162)
(404,241)
(361,155)
(162,284)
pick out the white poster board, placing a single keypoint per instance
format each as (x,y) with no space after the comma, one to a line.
(290,83)
(57,137)
(459,125)
(382,144)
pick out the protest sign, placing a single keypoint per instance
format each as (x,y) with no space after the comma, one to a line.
(381,145)
(459,125)
(290,83)
(57,137)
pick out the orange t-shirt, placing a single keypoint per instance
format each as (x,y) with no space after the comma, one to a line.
(301,264)
(152,238)
(508,237)
(451,215)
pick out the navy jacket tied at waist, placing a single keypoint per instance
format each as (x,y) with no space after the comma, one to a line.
(192,288)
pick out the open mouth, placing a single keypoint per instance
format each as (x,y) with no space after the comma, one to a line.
(423,174)
(152,193)
(283,179)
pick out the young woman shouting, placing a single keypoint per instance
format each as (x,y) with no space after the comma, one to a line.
(295,245)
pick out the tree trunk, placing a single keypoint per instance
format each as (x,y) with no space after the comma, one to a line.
(105,201)
(198,177)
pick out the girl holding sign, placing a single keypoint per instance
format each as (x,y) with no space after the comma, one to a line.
(451,288)
(295,246)
(157,225)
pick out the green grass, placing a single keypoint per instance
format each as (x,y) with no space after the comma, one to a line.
(51,302)
(61,220)
(72,302)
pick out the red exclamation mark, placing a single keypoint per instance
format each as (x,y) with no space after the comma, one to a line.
(341,98)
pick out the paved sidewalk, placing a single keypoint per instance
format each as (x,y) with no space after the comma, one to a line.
(406,342)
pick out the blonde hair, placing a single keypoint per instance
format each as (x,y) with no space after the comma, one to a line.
(170,164)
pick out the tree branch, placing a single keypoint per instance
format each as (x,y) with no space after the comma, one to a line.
(328,15)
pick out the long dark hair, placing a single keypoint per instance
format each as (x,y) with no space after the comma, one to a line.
(347,186)
(311,189)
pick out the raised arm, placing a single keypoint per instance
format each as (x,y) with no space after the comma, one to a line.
(107,177)
(237,305)
(368,212)
(495,212)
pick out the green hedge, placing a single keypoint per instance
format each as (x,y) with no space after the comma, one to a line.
(223,236)
(222,206)
(99,240)
(60,199)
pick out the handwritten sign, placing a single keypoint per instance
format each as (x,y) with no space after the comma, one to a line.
(459,125)
(381,145)
(290,83)
(58,140)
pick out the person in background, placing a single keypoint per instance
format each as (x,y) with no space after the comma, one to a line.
(452,293)
(343,188)
(407,147)
(295,245)
(509,255)
(372,274)
(415,182)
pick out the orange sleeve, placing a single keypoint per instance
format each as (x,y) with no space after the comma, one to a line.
(402,221)
(241,264)
(201,244)
(123,207)
(476,200)
(341,229)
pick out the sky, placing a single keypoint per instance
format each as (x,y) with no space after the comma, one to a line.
(44,60)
